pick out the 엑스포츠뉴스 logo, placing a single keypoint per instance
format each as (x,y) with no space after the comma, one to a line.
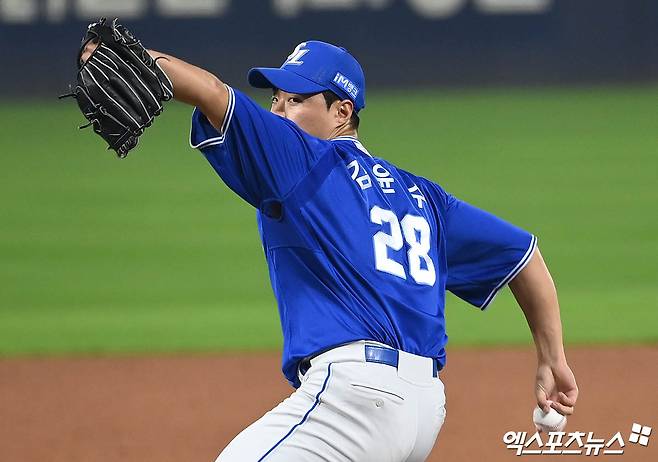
(574,443)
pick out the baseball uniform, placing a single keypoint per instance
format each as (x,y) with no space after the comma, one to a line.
(360,254)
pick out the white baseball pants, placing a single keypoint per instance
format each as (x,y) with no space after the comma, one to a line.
(350,410)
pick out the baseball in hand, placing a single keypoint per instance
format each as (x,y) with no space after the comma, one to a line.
(552,421)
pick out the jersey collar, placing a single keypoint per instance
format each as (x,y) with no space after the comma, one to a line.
(356,142)
(344,138)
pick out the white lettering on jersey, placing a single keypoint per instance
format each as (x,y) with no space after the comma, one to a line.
(416,232)
(364,180)
(420,199)
(382,241)
(384,179)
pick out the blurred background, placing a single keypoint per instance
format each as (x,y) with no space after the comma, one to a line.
(543,112)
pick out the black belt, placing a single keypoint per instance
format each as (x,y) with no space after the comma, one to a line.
(377,354)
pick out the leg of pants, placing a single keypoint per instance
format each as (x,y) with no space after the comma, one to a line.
(347,411)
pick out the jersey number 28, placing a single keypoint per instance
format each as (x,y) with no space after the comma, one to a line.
(416,233)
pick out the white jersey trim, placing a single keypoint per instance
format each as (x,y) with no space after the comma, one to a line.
(512,274)
(356,142)
(225,125)
(344,137)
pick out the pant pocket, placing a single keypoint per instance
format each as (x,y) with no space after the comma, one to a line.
(376,390)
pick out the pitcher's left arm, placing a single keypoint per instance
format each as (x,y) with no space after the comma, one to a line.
(534,290)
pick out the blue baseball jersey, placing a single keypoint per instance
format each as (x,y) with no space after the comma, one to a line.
(357,248)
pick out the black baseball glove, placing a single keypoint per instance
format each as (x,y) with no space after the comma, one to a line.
(120,88)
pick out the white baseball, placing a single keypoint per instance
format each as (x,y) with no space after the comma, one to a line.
(552,421)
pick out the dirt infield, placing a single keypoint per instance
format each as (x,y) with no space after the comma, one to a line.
(186,409)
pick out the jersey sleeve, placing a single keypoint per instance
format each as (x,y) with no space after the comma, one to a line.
(259,155)
(483,252)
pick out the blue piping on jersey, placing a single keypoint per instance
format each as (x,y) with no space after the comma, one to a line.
(317,401)
(512,274)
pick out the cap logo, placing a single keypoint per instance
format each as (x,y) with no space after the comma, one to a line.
(346,84)
(296,55)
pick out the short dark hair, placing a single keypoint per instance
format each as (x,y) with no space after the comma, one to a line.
(330,98)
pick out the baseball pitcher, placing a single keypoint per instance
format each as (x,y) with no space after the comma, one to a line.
(360,252)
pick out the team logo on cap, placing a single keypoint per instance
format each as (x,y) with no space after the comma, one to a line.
(296,56)
(346,84)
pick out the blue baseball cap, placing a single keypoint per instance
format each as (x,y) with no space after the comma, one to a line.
(314,67)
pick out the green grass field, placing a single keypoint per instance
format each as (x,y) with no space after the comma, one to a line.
(154,253)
